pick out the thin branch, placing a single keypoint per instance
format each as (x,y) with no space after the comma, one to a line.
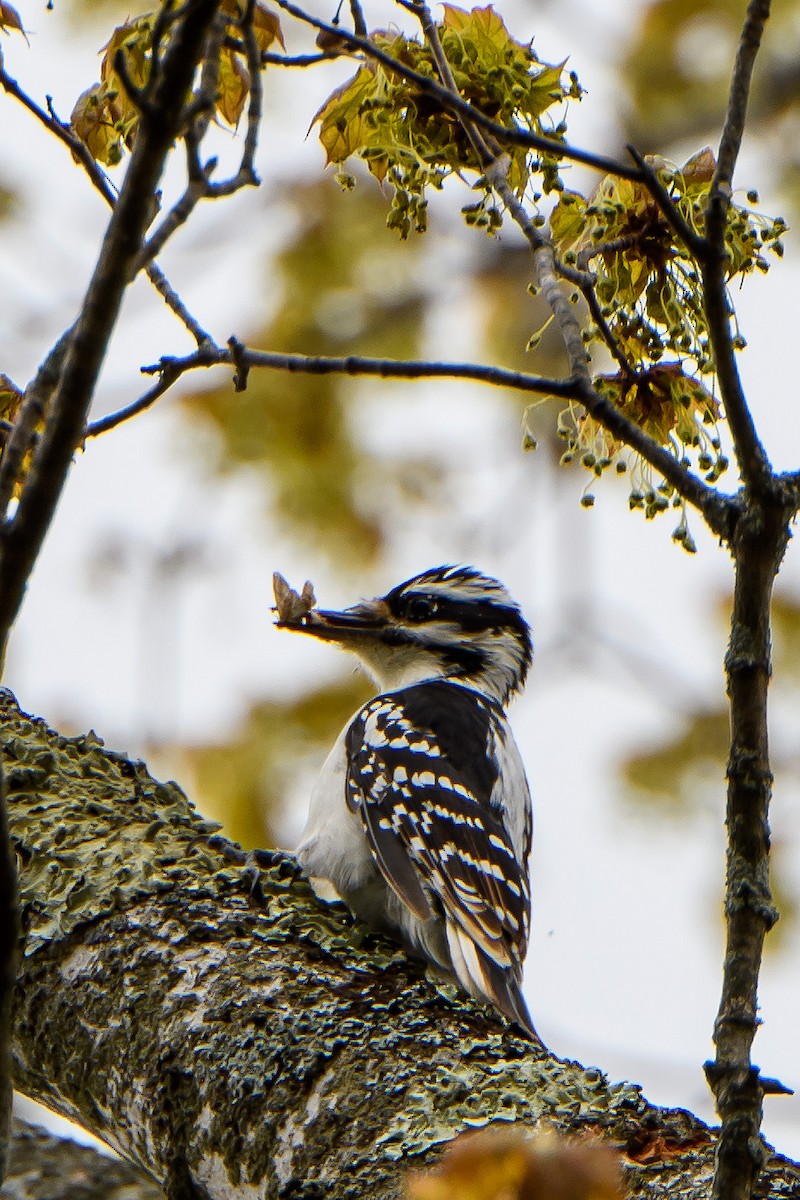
(103,185)
(606,332)
(178,215)
(507,135)
(246,176)
(754,466)
(173,301)
(719,510)
(168,376)
(385,368)
(23,536)
(293,60)
(739,95)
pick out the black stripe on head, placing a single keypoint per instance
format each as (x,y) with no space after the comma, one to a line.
(424,599)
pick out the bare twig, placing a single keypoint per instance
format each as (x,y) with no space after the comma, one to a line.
(103,185)
(246,176)
(751,456)
(174,302)
(739,95)
(22,537)
(606,332)
(385,368)
(359,23)
(719,510)
(200,186)
(293,60)
(168,376)
(178,215)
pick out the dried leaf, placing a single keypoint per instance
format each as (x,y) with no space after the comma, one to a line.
(267,28)
(291,607)
(234,87)
(94,121)
(342,127)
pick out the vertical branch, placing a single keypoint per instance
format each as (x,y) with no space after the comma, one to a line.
(758,546)
(753,463)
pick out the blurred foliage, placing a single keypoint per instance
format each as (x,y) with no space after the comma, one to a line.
(677,72)
(106,115)
(301,432)
(242,782)
(501,1163)
(406,140)
(328,290)
(9,201)
(676,777)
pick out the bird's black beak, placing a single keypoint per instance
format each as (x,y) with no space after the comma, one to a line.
(352,624)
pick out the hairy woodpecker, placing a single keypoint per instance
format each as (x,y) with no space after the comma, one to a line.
(421,817)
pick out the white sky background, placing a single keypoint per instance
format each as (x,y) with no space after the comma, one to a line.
(624,969)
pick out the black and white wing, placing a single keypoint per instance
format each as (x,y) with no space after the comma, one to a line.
(436,778)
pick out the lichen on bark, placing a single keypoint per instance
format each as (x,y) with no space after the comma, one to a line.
(245,1043)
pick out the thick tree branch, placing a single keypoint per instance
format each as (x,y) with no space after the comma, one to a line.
(235,1047)
(758,546)
(22,538)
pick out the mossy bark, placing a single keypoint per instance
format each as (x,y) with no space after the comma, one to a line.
(260,1045)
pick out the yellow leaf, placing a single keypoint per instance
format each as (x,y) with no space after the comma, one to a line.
(568,221)
(234,86)
(482,23)
(10,396)
(94,121)
(267,28)
(266,24)
(544,89)
(135,39)
(342,128)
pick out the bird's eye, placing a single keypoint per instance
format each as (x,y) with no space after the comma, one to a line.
(420,608)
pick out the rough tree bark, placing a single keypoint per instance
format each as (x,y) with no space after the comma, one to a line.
(43,1167)
(258,1044)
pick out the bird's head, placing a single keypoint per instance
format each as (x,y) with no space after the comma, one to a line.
(450,622)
